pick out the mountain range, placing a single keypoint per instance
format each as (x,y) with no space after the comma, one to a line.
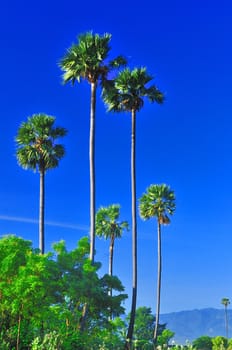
(189,325)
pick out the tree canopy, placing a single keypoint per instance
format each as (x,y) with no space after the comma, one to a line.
(46,293)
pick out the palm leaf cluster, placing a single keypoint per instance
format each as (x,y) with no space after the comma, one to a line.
(36,140)
(127,91)
(86,59)
(158,201)
(108,224)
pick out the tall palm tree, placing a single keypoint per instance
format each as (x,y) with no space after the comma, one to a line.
(159,202)
(109,227)
(126,93)
(37,150)
(226,302)
(87,60)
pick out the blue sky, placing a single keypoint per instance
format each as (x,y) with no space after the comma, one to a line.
(185,143)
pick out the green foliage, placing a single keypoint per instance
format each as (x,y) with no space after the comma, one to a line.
(219,343)
(128,90)
(108,224)
(51,341)
(144,324)
(36,143)
(159,202)
(225,302)
(42,297)
(144,328)
(229,344)
(178,347)
(27,288)
(165,337)
(203,343)
(86,59)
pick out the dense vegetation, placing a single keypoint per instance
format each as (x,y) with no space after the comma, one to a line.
(42,297)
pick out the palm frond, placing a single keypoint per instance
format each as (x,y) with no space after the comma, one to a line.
(129,89)
(36,143)
(86,58)
(118,62)
(158,201)
(107,222)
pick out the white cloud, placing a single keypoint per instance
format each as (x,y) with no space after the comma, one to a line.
(48,223)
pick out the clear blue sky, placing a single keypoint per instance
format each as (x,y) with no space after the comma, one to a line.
(185,143)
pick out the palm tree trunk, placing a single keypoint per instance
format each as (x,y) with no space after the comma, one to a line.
(92,188)
(18,332)
(158,284)
(134,230)
(41,211)
(92,170)
(226,321)
(111,256)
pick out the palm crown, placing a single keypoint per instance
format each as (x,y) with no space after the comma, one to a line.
(128,90)
(36,140)
(225,301)
(87,59)
(107,223)
(158,201)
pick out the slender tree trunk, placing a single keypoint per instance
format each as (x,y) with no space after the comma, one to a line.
(83,317)
(111,256)
(226,321)
(18,332)
(158,284)
(92,188)
(92,170)
(134,230)
(41,211)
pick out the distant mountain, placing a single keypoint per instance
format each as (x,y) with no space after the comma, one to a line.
(189,325)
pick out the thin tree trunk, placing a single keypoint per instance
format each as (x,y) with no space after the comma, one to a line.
(111,256)
(158,284)
(134,230)
(41,212)
(92,188)
(92,170)
(18,333)
(83,317)
(226,321)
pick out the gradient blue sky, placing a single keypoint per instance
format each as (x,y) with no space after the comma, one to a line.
(185,143)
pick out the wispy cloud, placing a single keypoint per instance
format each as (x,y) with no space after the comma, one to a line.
(48,223)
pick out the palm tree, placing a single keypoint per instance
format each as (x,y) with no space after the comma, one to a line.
(159,202)
(86,60)
(109,227)
(226,302)
(37,150)
(126,94)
